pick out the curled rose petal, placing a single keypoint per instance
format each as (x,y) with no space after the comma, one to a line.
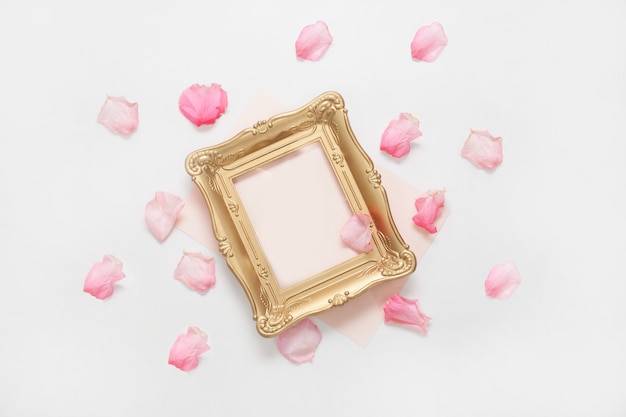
(405,312)
(356,233)
(502,280)
(428,42)
(299,342)
(196,270)
(313,41)
(398,135)
(187,348)
(483,150)
(429,206)
(101,277)
(203,105)
(119,115)
(161,213)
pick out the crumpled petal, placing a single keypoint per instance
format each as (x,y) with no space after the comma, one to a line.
(119,115)
(356,233)
(101,277)
(313,41)
(502,280)
(428,42)
(196,270)
(398,135)
(406,312)
(299,342)
(203,105)
(187,348)
(483,150)
(429,206)
(161,213)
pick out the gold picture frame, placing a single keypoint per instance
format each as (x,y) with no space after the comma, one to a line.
(217,170)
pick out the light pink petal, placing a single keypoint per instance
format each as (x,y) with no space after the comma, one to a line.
(483,150)
(203,105)
(313,41)
(428,42)
(187,348)
(502,280)
(405,312)
(161,213)
(119,115)
(356,233)
(429,206)
(299,342)
(398,135)
(101,277)
(196,270)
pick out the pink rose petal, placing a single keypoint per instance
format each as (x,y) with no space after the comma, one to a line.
(398,135)
(203,105)
(161,213)
(196,270)
(483,150)
(502,280)
(187,348)
(405,312)
(313,41)
(428,42)
(101,277)
(429,206)
(356,233)
(119,115)
(299,342)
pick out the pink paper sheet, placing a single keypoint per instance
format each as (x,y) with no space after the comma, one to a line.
(358,319)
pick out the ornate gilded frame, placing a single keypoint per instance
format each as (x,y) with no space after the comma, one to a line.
(324,120)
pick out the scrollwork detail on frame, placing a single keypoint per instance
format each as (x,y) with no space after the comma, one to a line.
(263,272)
(261,126)
(276,316)
(323,110)
(374,177)
(210,162)
(339,299)
(225,247)
(338,159)
(234,208)
(392,263)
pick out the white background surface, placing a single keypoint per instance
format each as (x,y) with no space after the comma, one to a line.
(547,76)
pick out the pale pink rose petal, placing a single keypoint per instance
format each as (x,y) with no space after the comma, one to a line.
(101,277)
(203,105)
(187,348)
(428,42)
(161,213)
(398,135)
(405,312)
(356,233)
(313,41)
(119,115)
(299,342)
(483,150)
(502,280)
(429,206)
(196,270)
